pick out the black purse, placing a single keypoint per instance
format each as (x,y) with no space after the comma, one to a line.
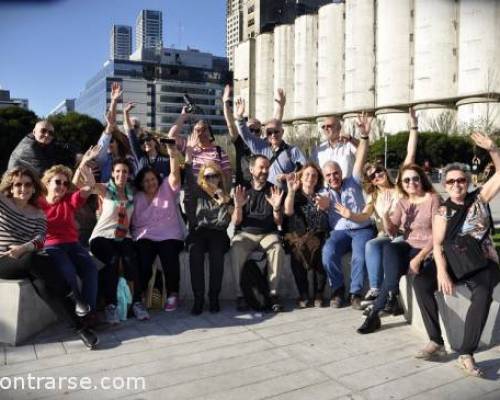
(464,254)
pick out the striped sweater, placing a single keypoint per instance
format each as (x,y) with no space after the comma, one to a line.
(18,227)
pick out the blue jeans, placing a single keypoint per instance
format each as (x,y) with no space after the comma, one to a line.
(373,256)
(72,260)
(336,246)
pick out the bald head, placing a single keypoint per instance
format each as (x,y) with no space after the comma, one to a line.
(43,132)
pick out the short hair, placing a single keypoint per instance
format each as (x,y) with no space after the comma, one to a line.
(275,121)
(424,180)
(314,166)
(331,163)
(142,173)
(58,169)
(456,166)
(121,160)
(254,158)
(17,172)
(338,123)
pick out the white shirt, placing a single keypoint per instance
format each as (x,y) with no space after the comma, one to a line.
(341,153)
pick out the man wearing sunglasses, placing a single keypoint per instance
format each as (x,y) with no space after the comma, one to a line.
(337,147)
(39,151)
(284,158)
(343,200)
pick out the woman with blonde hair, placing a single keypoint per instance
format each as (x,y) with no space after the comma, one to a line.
(208,208)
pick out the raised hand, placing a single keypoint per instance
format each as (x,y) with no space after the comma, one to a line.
(482,140)
(275,198)
(87,175)
(292,182)
(343,211)
(228,93)
(280,97)
(240,196)
(413,117)
(322,202)
(116,91)
(364,124)
(128,107)
(240,108)
(90,154)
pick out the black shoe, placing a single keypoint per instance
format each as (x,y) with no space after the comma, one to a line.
(392,306)
(371,324)
(356,302)
(276,306)
(214,306)
(241,304)
(337,299)
(89,338)
(197,307)
(81,308)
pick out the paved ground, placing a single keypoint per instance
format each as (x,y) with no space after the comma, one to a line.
(302,354)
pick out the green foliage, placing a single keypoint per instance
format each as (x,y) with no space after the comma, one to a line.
(80,130)
(15,123)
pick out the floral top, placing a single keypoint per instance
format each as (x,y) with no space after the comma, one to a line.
(306,216)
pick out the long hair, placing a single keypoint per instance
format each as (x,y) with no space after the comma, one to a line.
(424,180)
(313,165)
(154,136)
(203,183)
(58,170)
(122,142)
(368,186)
(17,172)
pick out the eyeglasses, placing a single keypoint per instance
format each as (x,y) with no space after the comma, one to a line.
(414,179)
(270,132)
(211,176)
(334,173)
(27,185)
(255,131)
(459,181)
(46,131)
(59,182)
(377,171)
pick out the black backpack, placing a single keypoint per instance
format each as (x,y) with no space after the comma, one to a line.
(255,287)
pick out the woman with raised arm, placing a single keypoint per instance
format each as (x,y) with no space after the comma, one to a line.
(111,241)
(209,209)
(307,228)
(465,218)
(156,228)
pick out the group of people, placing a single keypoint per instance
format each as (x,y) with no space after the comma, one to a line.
(148,196)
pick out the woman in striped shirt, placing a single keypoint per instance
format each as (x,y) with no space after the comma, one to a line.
(22,224)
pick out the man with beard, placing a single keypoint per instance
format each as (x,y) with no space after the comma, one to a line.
(344,197)
(256,215)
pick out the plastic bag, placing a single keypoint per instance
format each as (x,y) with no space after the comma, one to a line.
(124,298)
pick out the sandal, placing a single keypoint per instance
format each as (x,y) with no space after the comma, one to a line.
(432,350)
(467,363)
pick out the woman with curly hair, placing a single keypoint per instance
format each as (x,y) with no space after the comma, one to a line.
(208,207)
(306,227)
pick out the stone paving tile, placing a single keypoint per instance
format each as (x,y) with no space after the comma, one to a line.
(20,353)
(322,391)
(43,350)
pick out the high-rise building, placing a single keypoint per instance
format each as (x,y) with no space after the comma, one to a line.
(149,30)
(7,101)
(64,107)
(121,42)
(234,28)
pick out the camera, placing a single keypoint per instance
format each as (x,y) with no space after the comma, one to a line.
(188,102)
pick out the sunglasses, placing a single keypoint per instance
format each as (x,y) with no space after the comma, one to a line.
(59,182)
(460,181)
(211,176)
(372,176)
(414,179)
(46,131)
(255,131)
(270,132)
(27,185)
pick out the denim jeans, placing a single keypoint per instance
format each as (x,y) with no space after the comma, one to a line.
(72,260)
(373,256)
(336,246)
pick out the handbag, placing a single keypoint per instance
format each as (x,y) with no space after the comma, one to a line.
(464,254)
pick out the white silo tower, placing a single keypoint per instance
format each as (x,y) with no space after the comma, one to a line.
(284,64)
(331,58)
(264,70)
(306,37)
(359,55)
(244,74)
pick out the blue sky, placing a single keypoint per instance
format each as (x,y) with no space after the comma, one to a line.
(49,49)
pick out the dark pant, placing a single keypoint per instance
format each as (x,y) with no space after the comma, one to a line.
(110,252)
(481,286)
(168,251)
(15,268)
(72,260)
(216,243)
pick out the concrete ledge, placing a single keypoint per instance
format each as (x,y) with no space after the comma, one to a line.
(452,312)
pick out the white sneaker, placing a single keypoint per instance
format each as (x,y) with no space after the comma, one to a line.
(111,314)
(372,294)
(140,311)
(172,303)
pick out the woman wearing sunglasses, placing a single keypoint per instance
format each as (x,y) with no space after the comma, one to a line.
(412,216)
(208,207)
(466,214)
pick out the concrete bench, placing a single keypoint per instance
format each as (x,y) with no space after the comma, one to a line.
(452,312)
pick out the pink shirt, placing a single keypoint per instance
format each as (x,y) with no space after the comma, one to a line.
(61,224)
(157,219)
(415,220)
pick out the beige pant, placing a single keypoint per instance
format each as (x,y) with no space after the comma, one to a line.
(244,243)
